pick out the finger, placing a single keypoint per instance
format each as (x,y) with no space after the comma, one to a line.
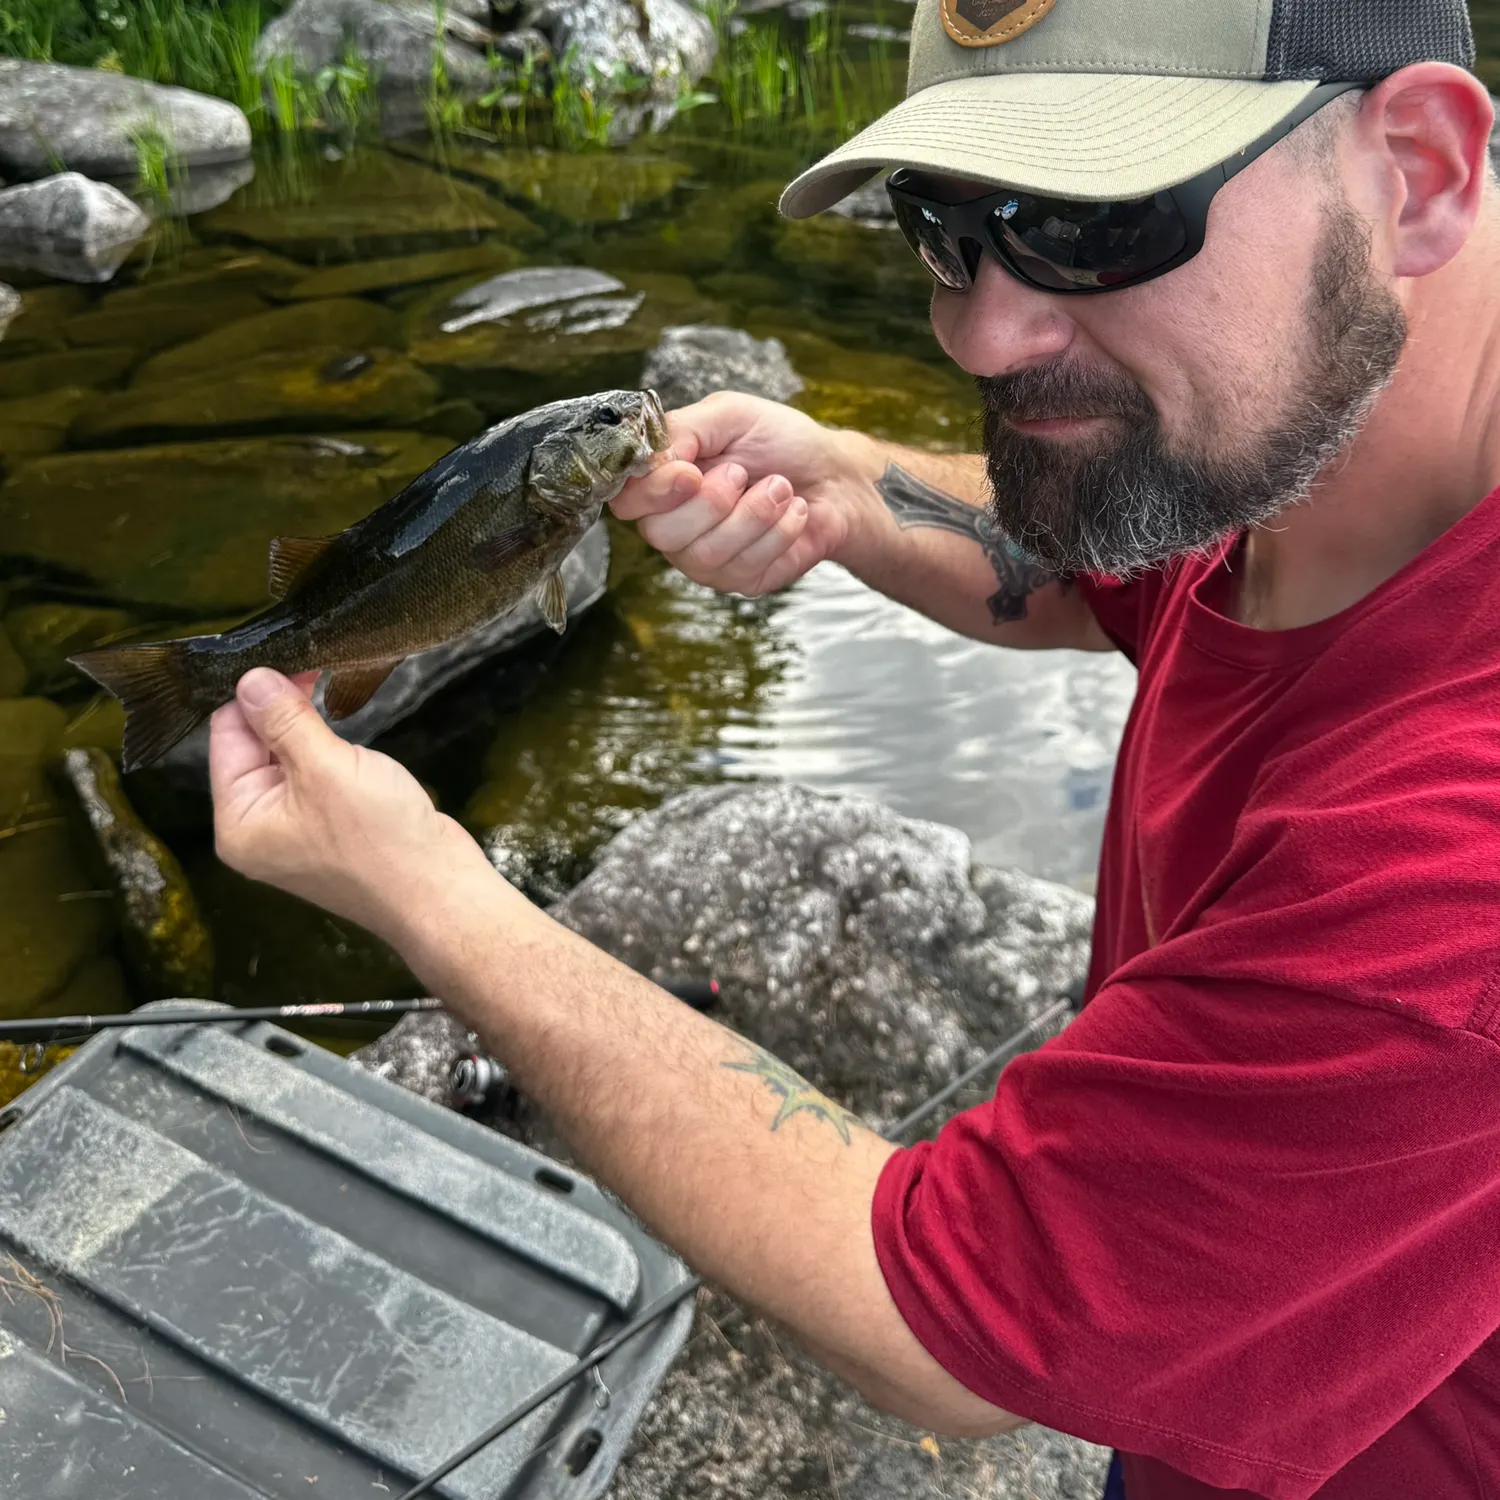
(755,514)
(235,751)
(748,573)
(284,720)
(801,556)
(662,489)
(680,528)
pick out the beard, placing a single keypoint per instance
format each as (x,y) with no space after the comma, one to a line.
(1135,503)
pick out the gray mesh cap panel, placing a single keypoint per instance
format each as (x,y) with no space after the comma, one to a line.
(1363,40)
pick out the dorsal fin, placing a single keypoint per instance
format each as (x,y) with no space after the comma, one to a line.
(291,556)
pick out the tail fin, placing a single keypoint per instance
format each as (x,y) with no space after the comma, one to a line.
(152,683)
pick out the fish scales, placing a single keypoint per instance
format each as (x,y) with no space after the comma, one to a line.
(466,541)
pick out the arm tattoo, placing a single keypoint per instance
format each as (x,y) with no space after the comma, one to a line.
(797,1095)
(915,504)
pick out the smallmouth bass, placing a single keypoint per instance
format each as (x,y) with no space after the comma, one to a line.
(465,542)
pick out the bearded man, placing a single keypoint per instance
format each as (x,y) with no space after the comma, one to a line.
(1224,272)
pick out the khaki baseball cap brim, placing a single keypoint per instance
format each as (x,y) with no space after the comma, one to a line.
(1094,136)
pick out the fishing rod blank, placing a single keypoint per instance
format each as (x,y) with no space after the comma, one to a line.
(670,1299)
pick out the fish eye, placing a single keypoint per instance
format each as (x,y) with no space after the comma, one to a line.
(608,416)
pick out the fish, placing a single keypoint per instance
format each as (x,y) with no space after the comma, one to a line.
(464,543)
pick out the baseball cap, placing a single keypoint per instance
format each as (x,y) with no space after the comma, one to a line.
(1118,99)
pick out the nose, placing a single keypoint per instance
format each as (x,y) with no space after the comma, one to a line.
(1000,325)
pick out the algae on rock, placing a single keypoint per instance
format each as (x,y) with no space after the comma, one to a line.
(187,525)
(32,425)
(404,270)
(45,635)
(90,368)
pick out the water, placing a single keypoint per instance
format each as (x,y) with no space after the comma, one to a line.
(134,514)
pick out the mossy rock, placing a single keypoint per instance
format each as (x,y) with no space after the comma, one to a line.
(831,247)
(547,353)
(717,225)
(90,368)
(404,270)
(38,326)
(897,414)
(744,289)
(371,204)
(346,322)
(98,725)
(582,187)
(237,265)
(187,525)
(51,924)
(46,635)
(13,671)
(32,425)
(313,389)
(162,313)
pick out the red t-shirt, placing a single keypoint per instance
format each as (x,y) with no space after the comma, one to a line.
(1241,1221)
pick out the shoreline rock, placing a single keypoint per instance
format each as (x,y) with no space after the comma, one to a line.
(696,359)
(68,226)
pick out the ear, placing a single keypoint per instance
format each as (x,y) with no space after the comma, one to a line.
(1426,130)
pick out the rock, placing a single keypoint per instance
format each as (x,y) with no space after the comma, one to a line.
(822,249)
(199,189)
(34,425)
(38,327)
(869,206)
(581,340)
(582,187)
(405,270)
(313,389)
(371,204)
(10,305)
(663,43)
(88,368)
(421,677)
(344,322)
(186,525)
(168,948)
(90,121)
(694,361)
(723,223)
(46,635)
(396,38)
(99,725)
(864,949)
(12,668)
(69,227)
(244,266)
(52,925)
(165,310)
(419,1057)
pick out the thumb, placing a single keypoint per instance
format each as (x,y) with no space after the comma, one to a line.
(283,718)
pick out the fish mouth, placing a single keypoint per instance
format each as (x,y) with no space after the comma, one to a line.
(654,434)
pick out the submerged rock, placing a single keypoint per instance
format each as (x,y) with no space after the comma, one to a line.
(348,322)
(398,39)
(694,361)
(10,305)
(370,204)
(33,425)
(56,926)
(315,388)
(198,189)
(165,310)
(12,668)
(45,635)
(166,944)
(187,524)
(37,328)
(89,368)
(69,227)
(90,121)
(405,270)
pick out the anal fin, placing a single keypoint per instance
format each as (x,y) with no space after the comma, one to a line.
(552,600)
(350,688)
(494,552)
(291,557)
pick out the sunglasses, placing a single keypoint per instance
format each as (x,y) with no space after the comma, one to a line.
(1066,246)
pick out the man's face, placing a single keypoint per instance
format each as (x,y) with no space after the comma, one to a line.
(1125,429)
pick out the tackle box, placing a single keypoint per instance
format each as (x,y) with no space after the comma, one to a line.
(234,1266)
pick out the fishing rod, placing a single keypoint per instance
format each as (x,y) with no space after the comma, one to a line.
(684,1289)
(699,993)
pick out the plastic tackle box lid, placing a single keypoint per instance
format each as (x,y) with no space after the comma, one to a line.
(234,1265)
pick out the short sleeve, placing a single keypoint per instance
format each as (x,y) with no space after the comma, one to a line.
(1122,608)
(1239,1229)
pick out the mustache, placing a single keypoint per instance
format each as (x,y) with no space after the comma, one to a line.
(1059,390)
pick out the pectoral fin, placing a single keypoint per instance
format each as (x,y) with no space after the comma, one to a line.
(350,688)
(494,552)
(552,599)
(291,557)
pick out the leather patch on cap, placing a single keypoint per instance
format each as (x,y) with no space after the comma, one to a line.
(988,23)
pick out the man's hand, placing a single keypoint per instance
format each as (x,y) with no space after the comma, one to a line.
(760,494)
(297,807)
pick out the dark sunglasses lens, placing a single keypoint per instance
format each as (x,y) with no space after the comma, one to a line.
(1065,246)
(927,237)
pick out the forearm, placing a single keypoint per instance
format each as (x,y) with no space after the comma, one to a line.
(763,1184)
(920,535)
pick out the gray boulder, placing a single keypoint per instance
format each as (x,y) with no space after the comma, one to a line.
(866,950)
(869,205)
(69,227)
(90,121)
(668,44)
(696,359)
(10,305)
(397,38)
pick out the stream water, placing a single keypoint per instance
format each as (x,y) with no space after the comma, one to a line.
(156,432)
